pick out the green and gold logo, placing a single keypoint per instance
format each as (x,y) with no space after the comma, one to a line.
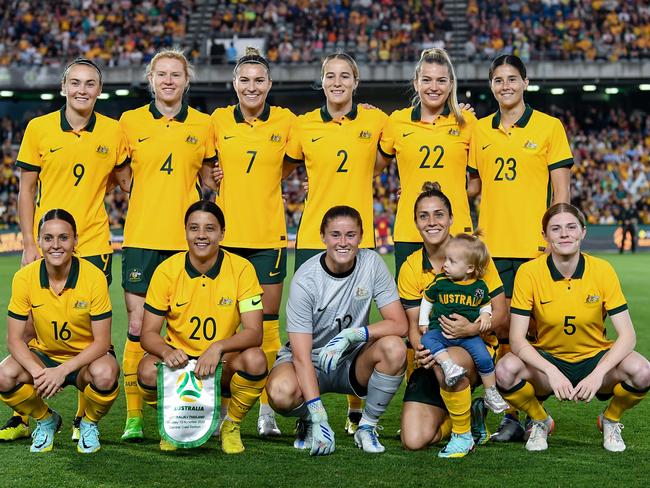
(276,138)
(134,275)
(189,387)
(593,298)
(225,302)
(364,134)
(80,304)
(530,145)
(454,132)
(191,140)
(102,149)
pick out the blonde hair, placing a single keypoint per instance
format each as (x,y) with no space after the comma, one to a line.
(252,56)
(170,54)
(344,57)
(475,251)
(439,56)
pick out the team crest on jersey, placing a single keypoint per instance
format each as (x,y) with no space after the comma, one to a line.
(479,294)
(454,132)
(530,145)
(102,149)
(276,138)
(593,299)
(134,275)
(80,304)
(364,134)
(361,293)
(191,140)
(225,302)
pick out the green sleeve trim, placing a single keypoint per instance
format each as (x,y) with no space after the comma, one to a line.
(616,310)
(124,163)
(17,316)
(388,155)
(27,166)
(565,163)
(472,171)
(211,159)
(519,311)
(291,160)
(155,311)
(102,316)
(496,292)
(410,303)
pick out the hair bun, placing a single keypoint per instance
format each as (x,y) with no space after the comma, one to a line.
(431,186)
(252,51)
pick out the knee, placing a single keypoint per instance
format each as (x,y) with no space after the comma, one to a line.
(104,374)
(254,361)
(641,378)
(147,372)
(7,381)
(413,439)
(506,370)
(393,352)
(281,394)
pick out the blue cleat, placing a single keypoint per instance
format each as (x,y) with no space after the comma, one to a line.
(459,446)
(88,438)
(480,431)
(43,435)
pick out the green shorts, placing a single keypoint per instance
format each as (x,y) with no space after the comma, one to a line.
(138,266)
(575,372)
(507,268)
(105,263)
(270,264)
(402,251)
(303,255)
(71,378)
(423,387)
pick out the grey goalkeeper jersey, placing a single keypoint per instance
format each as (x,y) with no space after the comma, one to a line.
(322,303)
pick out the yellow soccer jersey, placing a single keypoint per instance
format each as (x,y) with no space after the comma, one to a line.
(515,167)
(62,321)
(201,309)
(569,312)
(251,155)
(340,159)
(166,156)
(73,168)
(429,152)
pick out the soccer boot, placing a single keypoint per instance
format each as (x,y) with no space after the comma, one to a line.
(509,430)
(76,434)
(43,435)
(231,437)
(366,438)
(612,440)
(167,446)
(303,434)
(494,401)
(480,432)
(14,429)
(88,438)
(352,422)
(460,445)
(267,426)
(538,434)
(528,424)
(133,430)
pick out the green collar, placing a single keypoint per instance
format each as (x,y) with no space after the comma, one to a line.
(327,117)
(416,113)
(212,272)
(66,127)
(557,276)
(264,116)
(426,264)
(73,275)
(522,122)
(179,117)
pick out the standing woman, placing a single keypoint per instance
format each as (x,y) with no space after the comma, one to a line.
(431,408)
(338,145)
(251,139)
(520,161)
(172,152)
(430,142)
(572,357)
(66,159)
(68,300)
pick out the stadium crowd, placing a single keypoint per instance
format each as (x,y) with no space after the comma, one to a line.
(610,148)
(559,30)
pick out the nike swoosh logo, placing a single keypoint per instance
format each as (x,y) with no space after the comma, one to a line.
(274,273)
(143,139)
(406,134)
(83,442)
(321,309)
(55,150)
(545,302)
(314,139)
(485,147)
(36,306)
(256,302)
(181,304)
(225,138)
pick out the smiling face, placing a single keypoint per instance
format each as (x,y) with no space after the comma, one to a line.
(252,85)
(203,233)
(433,220)
(433,86)
(57,241)
(168,80)
(508,86)
(564,234)
(81,88)
(339,82)
(342,236)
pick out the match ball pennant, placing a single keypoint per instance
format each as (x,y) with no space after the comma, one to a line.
(188,407)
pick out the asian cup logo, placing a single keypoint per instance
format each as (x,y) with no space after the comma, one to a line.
(189,387)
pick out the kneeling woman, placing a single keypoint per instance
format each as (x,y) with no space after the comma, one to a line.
(569,293)
(204,294)
(68,299)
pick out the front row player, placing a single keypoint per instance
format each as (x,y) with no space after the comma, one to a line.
(332,348)
(569,293)
(460,290)
(69,302)
(204,294)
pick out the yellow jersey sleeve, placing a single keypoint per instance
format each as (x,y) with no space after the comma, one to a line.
(100,303)
(613,299)
(523,295)
(408,283)
(29,157)
(248,286)
(159,292)
(387,141)
(493,280)
(294,145)
(20,303)
(559,152)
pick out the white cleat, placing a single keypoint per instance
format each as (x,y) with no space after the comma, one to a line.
(366,438)
(267,426)
(612,440)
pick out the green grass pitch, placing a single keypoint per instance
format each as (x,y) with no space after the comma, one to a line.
(575,456)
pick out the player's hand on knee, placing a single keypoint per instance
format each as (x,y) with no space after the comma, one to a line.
(587,388)
(175,358)
(562,387)
(330,355)
(207,363)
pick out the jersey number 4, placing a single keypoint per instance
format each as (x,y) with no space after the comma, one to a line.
(167,165)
